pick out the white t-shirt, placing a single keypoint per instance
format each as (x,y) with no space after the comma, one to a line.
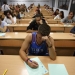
(21,15)
(58,17)
(8,21)
(5,7)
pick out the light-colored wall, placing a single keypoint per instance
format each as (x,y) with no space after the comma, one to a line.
(65,11)
(28,2)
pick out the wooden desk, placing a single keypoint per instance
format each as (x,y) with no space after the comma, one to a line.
(23,21)
(16,66)
(11,42)
(54,27)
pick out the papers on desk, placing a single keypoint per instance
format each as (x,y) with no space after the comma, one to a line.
(57,69)
(41,70)
(2,34)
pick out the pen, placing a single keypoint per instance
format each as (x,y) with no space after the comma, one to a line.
(5,72)
(33,62)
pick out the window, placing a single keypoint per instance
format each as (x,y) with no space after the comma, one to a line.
(72,6)
(63,4)
(53,3)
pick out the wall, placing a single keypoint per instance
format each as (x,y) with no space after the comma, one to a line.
(28,2)
(65,11)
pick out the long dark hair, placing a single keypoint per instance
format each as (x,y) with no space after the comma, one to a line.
(8,11)
(62,16)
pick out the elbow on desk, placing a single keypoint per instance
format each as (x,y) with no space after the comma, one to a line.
(53,57)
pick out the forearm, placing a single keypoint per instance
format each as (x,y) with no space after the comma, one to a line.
(2,30)
(23,55)
(12,20)
(52,53)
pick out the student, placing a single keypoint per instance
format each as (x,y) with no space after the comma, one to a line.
(37,12)
(38,44)
(5,7)
(56,12)
(9,19)
(3,27)
(22,15)
(33,26)
(73,30)
(69,18)
(60,16)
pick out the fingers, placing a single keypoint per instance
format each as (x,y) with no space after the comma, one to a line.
(35,62)
(34,65)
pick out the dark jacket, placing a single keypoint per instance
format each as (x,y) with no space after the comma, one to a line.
(73,30)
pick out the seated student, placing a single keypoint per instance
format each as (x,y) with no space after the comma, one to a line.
(3,27)
(38,44)
(37,12)
(9,19)
(69,18)
(73,30)
(33,26)
(22,15)
(60,16)
(18,15)
(56,12)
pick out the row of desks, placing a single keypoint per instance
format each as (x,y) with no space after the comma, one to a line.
(54,27)
(12,41)
(16,66)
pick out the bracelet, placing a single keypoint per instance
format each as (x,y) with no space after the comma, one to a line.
(27,60)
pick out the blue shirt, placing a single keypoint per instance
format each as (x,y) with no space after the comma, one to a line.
(35,49)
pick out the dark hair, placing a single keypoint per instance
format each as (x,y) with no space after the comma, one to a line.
(57,9)
(55,13)
(4,2)
(37,15)
(8,11)
(38,11)
(72,12)
(44,29)
(62,16)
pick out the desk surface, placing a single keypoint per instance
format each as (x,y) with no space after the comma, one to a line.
(52,25)
(16,66)
(22,35)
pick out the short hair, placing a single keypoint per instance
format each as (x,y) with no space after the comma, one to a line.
(4,2)
(37,15)
(44,29)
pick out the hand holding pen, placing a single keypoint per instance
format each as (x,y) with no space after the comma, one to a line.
(32,64)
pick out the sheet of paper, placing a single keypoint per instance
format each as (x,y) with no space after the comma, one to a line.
(57,69)
(2,34)
(41,70)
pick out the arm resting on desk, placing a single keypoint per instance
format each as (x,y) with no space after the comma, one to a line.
(3,29)
(24,56)
(24,48)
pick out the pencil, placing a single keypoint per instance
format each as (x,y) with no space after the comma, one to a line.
(5,72)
